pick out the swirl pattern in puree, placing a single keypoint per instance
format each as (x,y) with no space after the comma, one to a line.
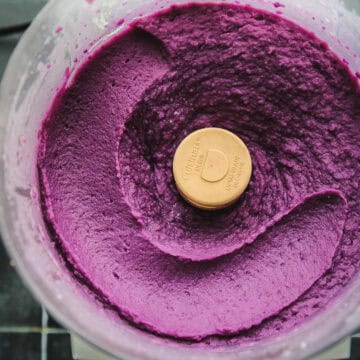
(265,264)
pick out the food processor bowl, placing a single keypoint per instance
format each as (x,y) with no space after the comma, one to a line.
(49,54)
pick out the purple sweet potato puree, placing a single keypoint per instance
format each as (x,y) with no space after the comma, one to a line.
(273,259)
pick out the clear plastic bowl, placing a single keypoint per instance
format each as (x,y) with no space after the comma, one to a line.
(48,55)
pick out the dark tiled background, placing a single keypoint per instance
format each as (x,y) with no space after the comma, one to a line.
(26,330)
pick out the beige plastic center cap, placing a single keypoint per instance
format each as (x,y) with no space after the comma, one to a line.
(212,168)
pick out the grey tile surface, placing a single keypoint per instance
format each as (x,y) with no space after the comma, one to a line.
(353,5)
(20,347)
(58,347)
(15,12)
(17,307)
(52,323)
(7,45)
(355,349)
